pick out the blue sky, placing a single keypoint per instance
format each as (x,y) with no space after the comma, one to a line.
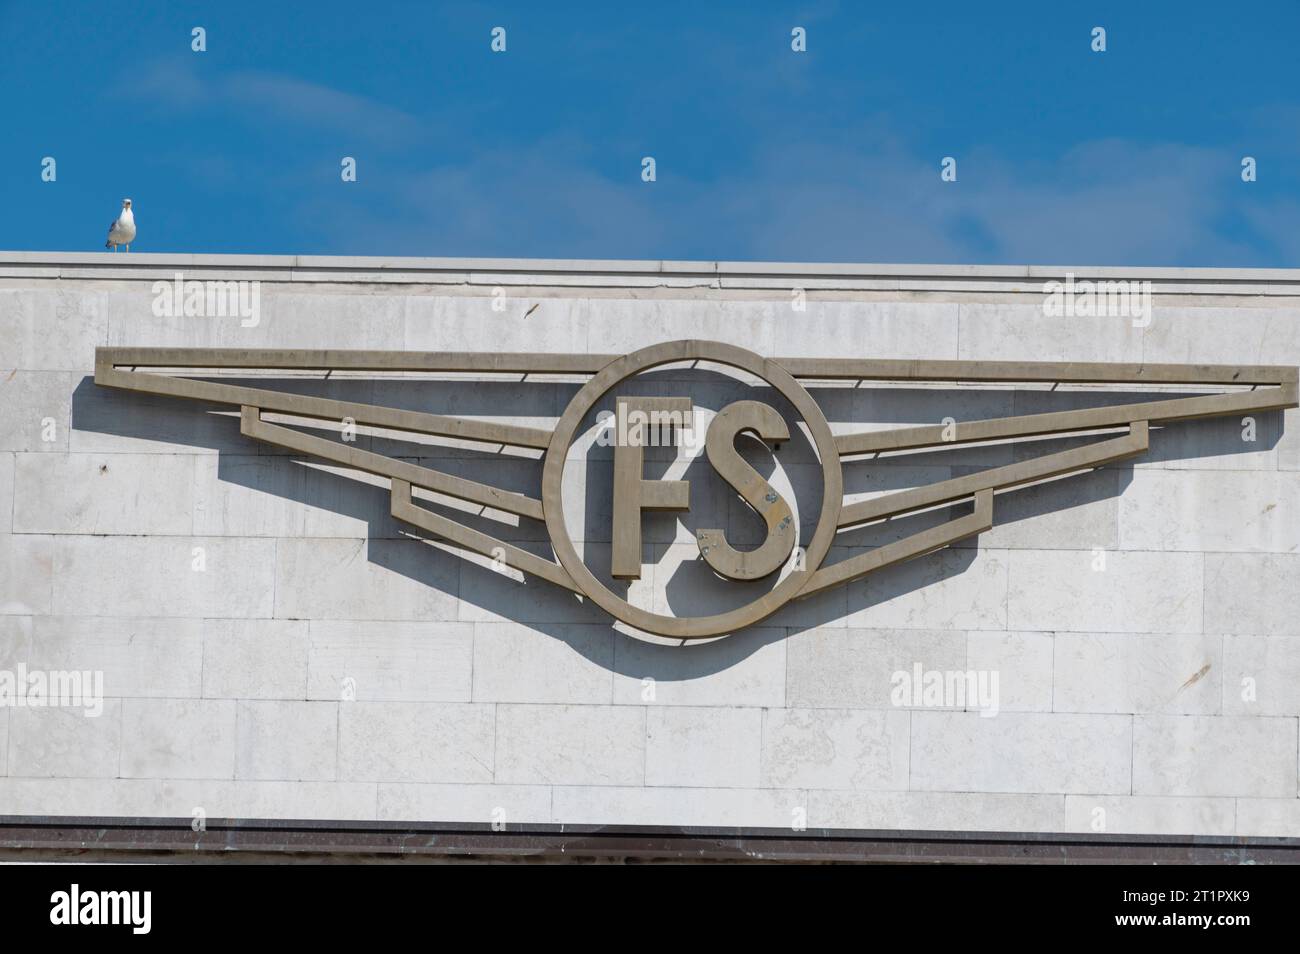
(1064,156)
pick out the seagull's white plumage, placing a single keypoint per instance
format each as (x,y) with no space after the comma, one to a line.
(122,232)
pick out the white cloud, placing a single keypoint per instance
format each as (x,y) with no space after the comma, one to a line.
(1102,202)
(272,98)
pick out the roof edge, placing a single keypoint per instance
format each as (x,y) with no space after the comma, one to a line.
(606,272)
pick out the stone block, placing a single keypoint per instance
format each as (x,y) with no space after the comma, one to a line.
(1252,593)
(1138,673)
(254,659)
(947,589)
(469,323)
(44,330)
(1214,755)
(504,805)
(570,745)
(1211,511)
(415,742)
(66,741)
(835,749)
(1027,752)
(37,410)
(163,576)
(703,747)
(747,669)
(1023,332)
(855,668)
(700,807)
(178,738)
(139,656)
(514,663)
(287,741)
(26,574)
(390,661)
(1023,664)
(1261,676)
(1137,592)
(6,492)
(881,329)
(363,579)
(104,494)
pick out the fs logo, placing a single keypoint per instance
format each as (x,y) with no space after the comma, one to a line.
(760,576)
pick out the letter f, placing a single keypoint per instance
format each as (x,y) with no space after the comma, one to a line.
(632,492)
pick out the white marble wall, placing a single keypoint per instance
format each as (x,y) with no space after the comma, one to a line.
(324,665)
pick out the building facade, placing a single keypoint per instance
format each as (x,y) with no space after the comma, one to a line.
(258,636)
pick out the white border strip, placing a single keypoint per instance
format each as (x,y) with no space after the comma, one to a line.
(138,266)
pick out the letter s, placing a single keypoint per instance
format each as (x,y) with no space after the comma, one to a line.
(730,422)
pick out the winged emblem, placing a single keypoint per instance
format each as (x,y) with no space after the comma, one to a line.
(779,568)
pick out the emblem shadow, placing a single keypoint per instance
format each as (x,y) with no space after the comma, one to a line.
(104,418)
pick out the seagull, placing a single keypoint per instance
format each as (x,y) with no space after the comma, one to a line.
(122,232)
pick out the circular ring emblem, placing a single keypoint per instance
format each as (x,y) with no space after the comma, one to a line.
(691,627)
